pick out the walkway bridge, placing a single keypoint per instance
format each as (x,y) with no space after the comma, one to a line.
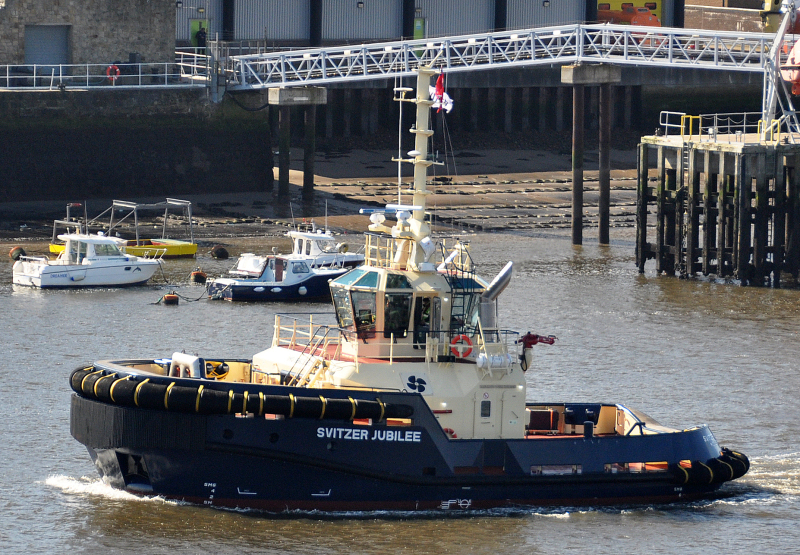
(561,45)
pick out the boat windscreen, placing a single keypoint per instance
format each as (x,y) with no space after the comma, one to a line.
(349,277)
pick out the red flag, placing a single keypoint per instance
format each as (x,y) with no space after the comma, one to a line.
(440,90)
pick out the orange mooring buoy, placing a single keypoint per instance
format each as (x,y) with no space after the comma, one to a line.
(16,252)
(198,276)
(170,298)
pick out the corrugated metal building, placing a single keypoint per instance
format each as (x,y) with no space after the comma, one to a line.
(317,22)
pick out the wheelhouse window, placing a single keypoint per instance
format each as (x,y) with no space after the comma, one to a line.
(300,268)
(396,314)
(103,249)
(370,279)
(364,312)
(343,307)
(397,281)
(349,277)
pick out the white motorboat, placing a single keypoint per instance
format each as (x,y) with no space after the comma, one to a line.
(316,258)
(86,261)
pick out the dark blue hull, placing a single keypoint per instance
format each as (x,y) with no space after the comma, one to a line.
(337,465)
(315,287)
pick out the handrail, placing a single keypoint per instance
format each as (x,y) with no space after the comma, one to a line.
(565,44)
(188,70)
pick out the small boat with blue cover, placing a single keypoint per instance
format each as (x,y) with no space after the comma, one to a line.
(316,258)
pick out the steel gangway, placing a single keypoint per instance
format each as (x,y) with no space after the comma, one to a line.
(558,45)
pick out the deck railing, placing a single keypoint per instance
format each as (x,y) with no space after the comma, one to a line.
(190,69)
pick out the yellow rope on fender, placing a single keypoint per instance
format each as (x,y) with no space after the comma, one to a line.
(291,406)
(166,395)
(244,405)
(136,392)
(87,375)
(383,409)
(230,400)
(100,380)
(355,406)
(260,403)
(197,402)
(324,406)
(113,385)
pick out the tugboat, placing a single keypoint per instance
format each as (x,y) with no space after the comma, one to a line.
(415,399)
(316,259)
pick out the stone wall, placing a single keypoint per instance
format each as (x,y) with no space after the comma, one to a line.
(129,144)
(100,31)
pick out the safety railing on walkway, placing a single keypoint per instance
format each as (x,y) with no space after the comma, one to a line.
(735,127)
(617,44)
(190,69)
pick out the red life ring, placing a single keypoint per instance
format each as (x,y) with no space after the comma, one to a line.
(455,346)
(112,72)
(450,432)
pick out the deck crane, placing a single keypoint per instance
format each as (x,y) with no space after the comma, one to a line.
(776,74)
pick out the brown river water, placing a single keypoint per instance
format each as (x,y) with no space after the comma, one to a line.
(686,352)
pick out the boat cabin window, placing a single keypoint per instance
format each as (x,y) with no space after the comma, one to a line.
(397,281)
(486,409)
(370,279)
(422,321)
(349,277)
(300,268)
(364,312)
(465,312)
(308,246)
(344,310)
(396,314)
(107,249)
(77,251)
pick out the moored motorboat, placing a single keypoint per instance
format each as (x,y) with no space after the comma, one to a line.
(161,247)
(85,261)
(316,258)
(414,399)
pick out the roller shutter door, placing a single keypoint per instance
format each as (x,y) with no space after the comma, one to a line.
(46,44)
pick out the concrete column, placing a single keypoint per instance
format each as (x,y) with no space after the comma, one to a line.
(347,104)
(604,162)
(542,125)
(285,98)
(578,76)
(309,151)
(524,104)
(560,92)
(577,164)
(475,104)
(285,133)
(628,110)
(510,105)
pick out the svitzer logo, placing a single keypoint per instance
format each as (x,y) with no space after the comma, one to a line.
(416,384)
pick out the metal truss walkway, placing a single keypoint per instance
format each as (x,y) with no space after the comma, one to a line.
(562,45)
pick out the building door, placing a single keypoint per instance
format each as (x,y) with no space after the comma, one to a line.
(46,45)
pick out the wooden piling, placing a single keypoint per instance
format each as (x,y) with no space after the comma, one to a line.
(724,207)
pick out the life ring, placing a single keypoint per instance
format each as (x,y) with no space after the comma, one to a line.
(112,72)
(455,346)
(450,433)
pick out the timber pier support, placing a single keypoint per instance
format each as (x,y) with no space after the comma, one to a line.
(728,206)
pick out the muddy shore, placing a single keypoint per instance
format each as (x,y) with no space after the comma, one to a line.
(484,190)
